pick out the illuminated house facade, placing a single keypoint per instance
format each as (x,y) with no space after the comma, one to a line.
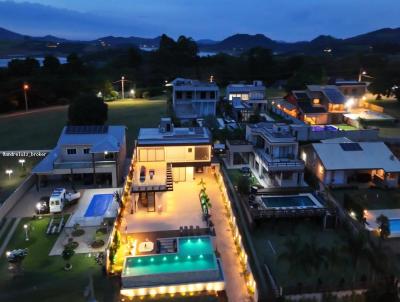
(274,158)
(342,162)
(166,155)
(193,99)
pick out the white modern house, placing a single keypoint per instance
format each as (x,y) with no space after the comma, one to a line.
(167,155)
(342,162)
(93,152)
(193,99)
(246,92)
(271,151)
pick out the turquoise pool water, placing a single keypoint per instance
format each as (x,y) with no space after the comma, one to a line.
(98,205)
(194,254)
(394,225)
(288,201)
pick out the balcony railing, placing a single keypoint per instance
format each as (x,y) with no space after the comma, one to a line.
(279,163)
(82,164)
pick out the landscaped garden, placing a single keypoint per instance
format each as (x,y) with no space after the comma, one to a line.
(304,257)
(43,277)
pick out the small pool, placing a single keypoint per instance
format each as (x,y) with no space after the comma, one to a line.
(98,205)
(194,254)
(288,201)
(394,225)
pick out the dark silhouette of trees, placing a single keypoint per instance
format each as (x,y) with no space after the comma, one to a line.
(87,110)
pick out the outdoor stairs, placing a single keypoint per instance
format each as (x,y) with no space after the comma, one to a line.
(167,245)
(169,181)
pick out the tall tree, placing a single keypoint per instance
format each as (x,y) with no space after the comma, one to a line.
(87,110)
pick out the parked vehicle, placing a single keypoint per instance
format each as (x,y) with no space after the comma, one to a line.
(61,198)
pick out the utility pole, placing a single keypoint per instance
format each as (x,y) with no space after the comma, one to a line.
(26,88)
(123,80)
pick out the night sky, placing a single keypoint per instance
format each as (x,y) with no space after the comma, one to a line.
(288,20)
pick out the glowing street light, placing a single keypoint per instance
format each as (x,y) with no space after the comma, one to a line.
(9,172)
(26,232)
(8,253)
(21,161)
(99,94)
(26,88)
(132,92)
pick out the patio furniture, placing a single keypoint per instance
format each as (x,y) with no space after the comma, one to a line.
(146,246)
(158,246)
(186,231)
(191,232)
(197,230)
(181,230)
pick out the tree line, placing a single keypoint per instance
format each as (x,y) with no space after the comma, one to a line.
(54,83)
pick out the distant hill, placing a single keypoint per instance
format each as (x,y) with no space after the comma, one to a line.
(234,44)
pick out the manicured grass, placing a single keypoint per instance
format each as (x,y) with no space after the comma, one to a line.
(9,184)
(44,278)
(276,233)
(345,127)
(40,130)
(391,107)
(372,199)
(275,92)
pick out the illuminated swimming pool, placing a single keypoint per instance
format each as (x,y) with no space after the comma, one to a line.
(194,254)
(98,205)
(394,225)
(290,201)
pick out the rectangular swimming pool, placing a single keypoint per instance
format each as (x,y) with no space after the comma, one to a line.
(98,205)
(194,254)
(394,225)
(289,201)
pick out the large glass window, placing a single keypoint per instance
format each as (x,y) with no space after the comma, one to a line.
(151,154)
(201,153)
(71,151)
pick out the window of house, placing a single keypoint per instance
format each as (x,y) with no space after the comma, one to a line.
(189,95)
(212,94)
(203,95)
(287,175)
(71,151)
(86,151)
(178,95)
(201,153)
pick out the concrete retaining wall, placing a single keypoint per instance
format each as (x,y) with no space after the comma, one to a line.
(12,200)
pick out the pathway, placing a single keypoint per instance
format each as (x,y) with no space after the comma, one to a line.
(235,285)
(9,235)
(21,113)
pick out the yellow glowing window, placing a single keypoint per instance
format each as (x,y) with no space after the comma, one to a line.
(315,101)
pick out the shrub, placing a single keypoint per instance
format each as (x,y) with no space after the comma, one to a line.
(243,185)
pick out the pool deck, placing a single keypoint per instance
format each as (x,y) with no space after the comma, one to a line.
(83,203)
(371,216)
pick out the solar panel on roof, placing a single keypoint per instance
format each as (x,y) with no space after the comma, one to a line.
(96,129)
(334,95)
(350,147)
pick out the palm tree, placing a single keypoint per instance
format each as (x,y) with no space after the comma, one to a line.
(384,227)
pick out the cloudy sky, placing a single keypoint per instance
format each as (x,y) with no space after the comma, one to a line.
(288,20)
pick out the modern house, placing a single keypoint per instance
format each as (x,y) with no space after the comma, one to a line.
(167,155)
(318,104)
(342,162)
(94,153)
(246,92)
(271,151)
(352,89)
(193,99)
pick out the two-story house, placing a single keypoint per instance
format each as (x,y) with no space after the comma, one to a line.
(93,152)
(193,99)
(166,155)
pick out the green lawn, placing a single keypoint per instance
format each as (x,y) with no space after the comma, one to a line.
(44,278)
(371,199)
(391,107)
(345,127)
(41,130)
(235,174)
(9,184)
(270,240)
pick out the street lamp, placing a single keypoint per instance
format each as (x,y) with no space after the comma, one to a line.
(9,172)
(132,92)
(26,232)
(21,161)
(26,88)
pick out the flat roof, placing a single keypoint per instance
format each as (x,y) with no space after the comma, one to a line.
(178,136)
(356,156)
